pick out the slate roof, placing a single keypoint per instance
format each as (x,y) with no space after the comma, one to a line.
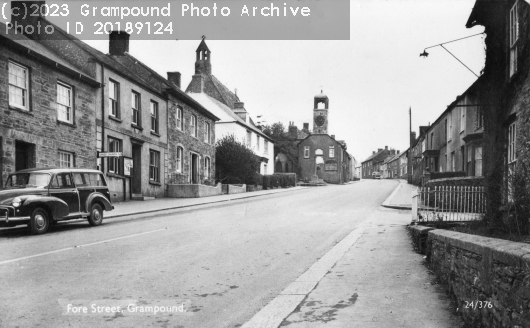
(225,113)
(136,71)
(373,156)
(39,50)
(229,98)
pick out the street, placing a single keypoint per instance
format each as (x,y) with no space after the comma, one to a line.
(228,259)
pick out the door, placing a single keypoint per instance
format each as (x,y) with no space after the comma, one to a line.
(194,169)
(62,187)
(136,174)
(24,155)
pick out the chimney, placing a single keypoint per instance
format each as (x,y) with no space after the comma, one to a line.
(412,138)
(373,153)
(174,77)
(398,152)
(118,43)
(386,147)
(239,110)
(293,131)
(379,150)
(333,136)
(22,20)
(306,126)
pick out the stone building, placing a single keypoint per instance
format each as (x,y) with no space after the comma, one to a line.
(47,108)
(286,149)
(319,154)
(235,120)
(132,112)
(373,162)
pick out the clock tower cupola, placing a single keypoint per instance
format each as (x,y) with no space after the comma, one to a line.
(320,114)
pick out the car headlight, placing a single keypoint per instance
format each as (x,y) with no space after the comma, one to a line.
(16,201)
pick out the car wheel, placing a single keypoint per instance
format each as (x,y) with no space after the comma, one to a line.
(96,215)
(39,221)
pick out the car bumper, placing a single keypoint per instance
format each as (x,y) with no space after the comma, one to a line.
(8,217)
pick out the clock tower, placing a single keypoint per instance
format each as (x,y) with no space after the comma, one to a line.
(320,114)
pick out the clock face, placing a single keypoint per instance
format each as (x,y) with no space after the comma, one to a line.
(320,120)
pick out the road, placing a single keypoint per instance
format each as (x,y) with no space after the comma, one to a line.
(228,260)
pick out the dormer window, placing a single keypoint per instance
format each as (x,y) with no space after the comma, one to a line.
(514,36)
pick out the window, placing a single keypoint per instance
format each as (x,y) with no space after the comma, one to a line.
(249,137)
(478,161)
(154,117)
(462,119)
(64,103)
(154,166)
(206,132)
(432,138)
(453,163)
(179,118)
(331,151)
(445,130)
(66,159)
(257,141)
(193,125)
(207,167)
(450,136)
(266,147)
(18,86)
(135,108)
(114,162)
(514,36)
(306,152)
(113,99)
(180,154)
(265,168)
(62,180)
(479,118)
(512,150)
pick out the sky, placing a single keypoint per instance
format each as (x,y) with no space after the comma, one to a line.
(371,80)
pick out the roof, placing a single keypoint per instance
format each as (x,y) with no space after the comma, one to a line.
(229,98)
(223,112)
(202,46)
(39,50)
(321,95)
(343,146)
(373,156)
(57,169)
(129,67)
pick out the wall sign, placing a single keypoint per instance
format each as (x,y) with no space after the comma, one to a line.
(127,166)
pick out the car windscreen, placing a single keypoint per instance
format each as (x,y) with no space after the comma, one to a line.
(28,180)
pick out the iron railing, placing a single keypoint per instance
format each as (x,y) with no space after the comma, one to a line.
(450,203)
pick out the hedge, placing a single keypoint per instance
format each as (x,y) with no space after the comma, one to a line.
(284,180)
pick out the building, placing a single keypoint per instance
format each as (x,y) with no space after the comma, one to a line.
(47,108)
(235,120)
(132,112)
(320,156)
(403,165)
(286,149)
(373,163)
(393,166)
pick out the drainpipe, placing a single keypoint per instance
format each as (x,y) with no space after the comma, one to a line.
(103,115)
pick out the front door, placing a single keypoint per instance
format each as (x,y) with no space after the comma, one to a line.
(194,169)
(62,187)
(137,169)
(24,155)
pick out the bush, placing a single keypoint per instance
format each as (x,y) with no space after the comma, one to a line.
(256,180)
(235,161)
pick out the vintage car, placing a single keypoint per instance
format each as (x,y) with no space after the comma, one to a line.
(42,196)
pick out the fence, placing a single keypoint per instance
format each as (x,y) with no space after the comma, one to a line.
(450,203)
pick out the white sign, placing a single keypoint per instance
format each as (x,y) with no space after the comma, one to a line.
(127,166)
(115,154)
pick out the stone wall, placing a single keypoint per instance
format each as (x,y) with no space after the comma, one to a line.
(39,126)
(488,278)
(194,190)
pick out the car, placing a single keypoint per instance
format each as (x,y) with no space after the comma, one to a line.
(40,197)
(376,175)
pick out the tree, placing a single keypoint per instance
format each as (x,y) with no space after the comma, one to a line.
(236,162)
(275,131)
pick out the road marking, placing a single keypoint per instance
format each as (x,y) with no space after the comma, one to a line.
(78,246)
(273,314)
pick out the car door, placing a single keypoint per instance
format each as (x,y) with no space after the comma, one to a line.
(63,187)
(84,189)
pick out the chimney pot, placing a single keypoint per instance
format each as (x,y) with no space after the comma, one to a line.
(118,43)
(174,77)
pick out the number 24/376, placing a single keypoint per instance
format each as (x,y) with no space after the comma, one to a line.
(478,305)
(134,28)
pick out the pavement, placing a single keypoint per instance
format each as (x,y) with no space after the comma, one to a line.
(401,198)
(134,207)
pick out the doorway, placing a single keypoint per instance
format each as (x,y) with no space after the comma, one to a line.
(24,155)
(136,178)
(194,168)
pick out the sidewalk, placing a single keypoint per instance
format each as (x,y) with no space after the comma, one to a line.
(401,198)
(162,204)
(371,279)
